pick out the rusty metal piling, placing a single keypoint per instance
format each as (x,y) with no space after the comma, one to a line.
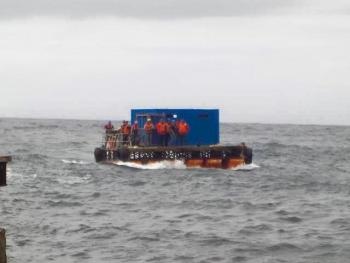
(3,162)
(3,258)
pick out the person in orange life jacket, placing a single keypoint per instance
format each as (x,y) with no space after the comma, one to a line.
(134,133)
(182,130)
(163,132)
(108,127)
(125,130)
(122,127)
(148,127)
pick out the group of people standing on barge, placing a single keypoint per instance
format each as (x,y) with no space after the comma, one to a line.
(173,131)
(167,131)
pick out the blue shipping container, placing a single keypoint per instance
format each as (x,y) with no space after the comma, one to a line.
(204,124)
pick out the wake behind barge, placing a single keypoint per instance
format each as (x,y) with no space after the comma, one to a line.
(199,149)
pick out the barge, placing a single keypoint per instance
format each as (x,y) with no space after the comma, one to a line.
(198,147)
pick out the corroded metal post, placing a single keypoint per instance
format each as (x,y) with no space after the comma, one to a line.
(3,161)
(2,246)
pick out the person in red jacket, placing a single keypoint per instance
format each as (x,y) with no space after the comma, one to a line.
(163,132)
(109,127)
(182,130)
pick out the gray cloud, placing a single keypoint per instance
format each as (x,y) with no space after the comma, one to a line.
(143,8)
(262,69)
(240,55)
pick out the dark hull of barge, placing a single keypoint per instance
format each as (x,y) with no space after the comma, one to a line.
(225,157)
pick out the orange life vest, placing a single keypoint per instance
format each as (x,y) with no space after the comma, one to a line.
(183,128)
(162,128)
(148,127)
(126,129)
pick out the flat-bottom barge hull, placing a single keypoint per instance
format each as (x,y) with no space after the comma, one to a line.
(217,156)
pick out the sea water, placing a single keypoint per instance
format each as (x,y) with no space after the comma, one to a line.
(291,205)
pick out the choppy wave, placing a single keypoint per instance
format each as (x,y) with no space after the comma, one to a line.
(74,161)
(32,157)
(154,166)
(35,126)
(246,167)
(177,164)
(16,175)
(71,180)
(292,209)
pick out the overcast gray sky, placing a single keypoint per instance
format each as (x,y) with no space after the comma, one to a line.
(266,61)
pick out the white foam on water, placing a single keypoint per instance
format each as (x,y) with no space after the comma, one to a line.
(11,174)
(74,162)
(177,164)
(154,166)
(73,179)
(245,167)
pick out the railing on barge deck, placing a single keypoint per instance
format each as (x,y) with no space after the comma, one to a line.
(114,139)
